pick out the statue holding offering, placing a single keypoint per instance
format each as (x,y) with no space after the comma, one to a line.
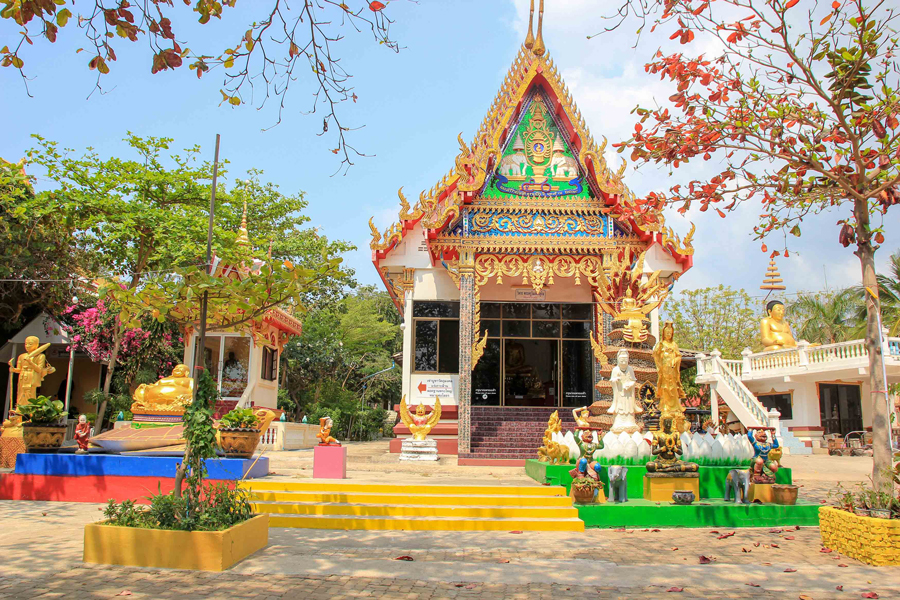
(765,456)
(666,447)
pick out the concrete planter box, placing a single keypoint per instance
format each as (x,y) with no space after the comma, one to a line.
(872,541)
(162,548)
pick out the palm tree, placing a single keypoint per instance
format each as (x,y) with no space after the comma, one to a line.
(826,317)
(888,293)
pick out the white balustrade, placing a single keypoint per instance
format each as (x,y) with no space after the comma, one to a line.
(736,366)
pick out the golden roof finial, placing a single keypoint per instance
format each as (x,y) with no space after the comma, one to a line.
(529,39)
(243,235)
(539,47)
(773,280)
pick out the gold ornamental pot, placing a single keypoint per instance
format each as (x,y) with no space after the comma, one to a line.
(42,437)
(785,494)
(238,442)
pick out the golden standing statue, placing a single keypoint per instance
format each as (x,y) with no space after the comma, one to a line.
(420,424)
(669,392)
(774,331)
(31,368)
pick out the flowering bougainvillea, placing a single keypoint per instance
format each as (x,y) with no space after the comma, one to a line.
(153,347)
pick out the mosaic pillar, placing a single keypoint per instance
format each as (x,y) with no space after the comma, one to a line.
(466,339)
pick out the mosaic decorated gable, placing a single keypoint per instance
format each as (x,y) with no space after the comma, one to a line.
(538,161)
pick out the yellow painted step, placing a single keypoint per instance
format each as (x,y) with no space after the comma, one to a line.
(346,486)
(427,524)
(374,510)
(427,499)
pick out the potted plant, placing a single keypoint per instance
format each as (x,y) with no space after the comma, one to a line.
(842,497)
(45,427)
(584,489)
(239,433)
(861,502)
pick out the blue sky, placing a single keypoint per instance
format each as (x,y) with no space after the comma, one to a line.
(412,104)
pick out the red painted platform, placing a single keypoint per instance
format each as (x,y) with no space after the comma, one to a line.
(91,488)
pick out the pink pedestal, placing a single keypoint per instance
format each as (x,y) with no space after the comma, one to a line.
(330,462)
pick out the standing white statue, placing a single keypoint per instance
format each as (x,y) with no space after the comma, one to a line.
(625,404)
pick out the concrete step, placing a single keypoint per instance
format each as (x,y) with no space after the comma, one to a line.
(415,510)
(418,499)
(426,524)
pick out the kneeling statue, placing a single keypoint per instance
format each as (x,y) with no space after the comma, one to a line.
(666,447)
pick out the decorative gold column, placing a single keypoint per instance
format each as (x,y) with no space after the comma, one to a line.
(467,301)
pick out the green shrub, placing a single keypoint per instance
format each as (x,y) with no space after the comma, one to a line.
(42,410)
(239,418)
(219,506)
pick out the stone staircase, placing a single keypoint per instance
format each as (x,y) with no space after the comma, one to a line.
(346,505)
(510,433)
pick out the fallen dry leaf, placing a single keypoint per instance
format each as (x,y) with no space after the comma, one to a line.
(714,532)
(675,548)
(515,532)
(471,586)
(788,537)
(705,560)
(826,550)
(503,560)
(752,584)
(124,593)
(790,570)
(775,530)
(43,514)
(775,546)
(654,531)
(767,564)
(869,595)
(756,544)
(404,557)
(725,535)
(745,550)
(842,565)
(839,588)
(805,597)
(675,589)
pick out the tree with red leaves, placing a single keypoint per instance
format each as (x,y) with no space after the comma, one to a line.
(800,109)
(289,44)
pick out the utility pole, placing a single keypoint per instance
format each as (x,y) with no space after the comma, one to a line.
(204,300)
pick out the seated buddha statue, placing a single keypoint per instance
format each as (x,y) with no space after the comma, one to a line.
(666,447)
(774,331)
(166,395)
(519,374)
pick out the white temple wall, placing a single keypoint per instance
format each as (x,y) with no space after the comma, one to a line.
(412,252)
(804,400)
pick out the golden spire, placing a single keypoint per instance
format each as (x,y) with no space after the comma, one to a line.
(773,280)
(529,39)
(539,47)
(243,235)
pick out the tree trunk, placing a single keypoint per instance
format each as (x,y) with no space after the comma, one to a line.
(110,368)
(881,431)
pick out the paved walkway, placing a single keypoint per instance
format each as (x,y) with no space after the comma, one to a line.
(40,555)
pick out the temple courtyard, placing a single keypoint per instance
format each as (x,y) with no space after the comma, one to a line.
(41,545)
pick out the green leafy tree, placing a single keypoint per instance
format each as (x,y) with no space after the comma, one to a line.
(144,220)
(714,318)
(287,45)
(38,257)
(798,104)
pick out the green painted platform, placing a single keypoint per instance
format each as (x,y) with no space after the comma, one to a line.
(712,479)
(640,513)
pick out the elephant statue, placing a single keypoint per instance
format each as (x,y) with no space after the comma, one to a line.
(618,486)
(738,484)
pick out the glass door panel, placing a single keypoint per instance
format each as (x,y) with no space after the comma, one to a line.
(578,375)
(531,372)
(486,376)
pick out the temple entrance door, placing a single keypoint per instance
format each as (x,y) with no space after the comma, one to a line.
(840,408)
(530,372)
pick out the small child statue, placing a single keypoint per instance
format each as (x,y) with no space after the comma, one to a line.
(82,433)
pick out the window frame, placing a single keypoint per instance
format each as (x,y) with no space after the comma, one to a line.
(437,338)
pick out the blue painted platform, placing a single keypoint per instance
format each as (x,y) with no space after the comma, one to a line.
(99,465)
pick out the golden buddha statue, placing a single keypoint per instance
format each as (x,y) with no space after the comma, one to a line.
(669,391)
(520,376)
(666,447)
(169,394)
(774,331)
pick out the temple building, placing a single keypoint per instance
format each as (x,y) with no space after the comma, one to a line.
(516,281)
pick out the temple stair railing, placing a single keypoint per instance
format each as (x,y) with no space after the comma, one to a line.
(712,370)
